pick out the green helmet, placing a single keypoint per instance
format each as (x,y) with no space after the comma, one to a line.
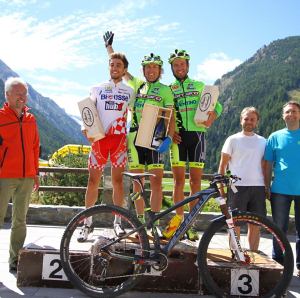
(179,54)
(152,59)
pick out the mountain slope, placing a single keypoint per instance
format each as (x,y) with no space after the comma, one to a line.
(267,80)
(56,127)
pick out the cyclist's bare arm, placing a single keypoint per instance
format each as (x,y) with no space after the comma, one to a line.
(108,40)
(172,125)
(268,167)
(225,158)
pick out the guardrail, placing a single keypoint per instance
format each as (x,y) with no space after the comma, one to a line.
(106,176)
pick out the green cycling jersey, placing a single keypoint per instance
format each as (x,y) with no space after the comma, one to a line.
(186,98)
(156,94)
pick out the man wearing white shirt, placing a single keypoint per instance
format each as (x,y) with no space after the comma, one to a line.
(242,154)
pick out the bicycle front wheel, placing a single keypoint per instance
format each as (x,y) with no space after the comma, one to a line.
(104,265)
(258,275)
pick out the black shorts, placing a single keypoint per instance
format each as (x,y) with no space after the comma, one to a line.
(139,157)
(192,149)
(248,198)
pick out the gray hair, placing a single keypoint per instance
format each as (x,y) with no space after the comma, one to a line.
(14,81)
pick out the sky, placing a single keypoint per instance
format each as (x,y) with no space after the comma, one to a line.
(57,45)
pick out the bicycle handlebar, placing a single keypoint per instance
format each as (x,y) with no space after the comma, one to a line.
(219,178)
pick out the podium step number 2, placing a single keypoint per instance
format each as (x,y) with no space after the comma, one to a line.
(52,268)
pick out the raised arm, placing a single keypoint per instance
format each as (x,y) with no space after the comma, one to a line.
(108,38)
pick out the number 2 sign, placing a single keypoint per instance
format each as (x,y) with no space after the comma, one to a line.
(52,268)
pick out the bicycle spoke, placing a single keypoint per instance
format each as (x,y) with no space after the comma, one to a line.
(259,275)
(104,264)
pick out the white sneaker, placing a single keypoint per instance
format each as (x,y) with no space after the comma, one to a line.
(84,233)
(119,230)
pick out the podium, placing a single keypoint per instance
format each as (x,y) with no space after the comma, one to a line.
(207,103)
(90,119)
(152,117)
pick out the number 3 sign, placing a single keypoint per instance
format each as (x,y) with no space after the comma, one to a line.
(52,268)
(244,282)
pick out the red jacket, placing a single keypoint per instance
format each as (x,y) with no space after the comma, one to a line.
(19,152)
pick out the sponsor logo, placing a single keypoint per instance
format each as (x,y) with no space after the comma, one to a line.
(157,166)
(87,117)
(108,88)
(174,87)
(181,95)
(150,97)
(199,165)
(123,97)
(139,105)
(155,90)
(187,94)
(113,106)
(192,93)
(190,86)
(205,102)
(187,103)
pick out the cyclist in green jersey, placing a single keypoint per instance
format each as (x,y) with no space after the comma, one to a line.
(189,139)
(153,92)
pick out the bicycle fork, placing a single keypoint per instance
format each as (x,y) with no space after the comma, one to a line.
(234,241)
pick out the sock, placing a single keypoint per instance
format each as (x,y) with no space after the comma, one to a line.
(88,221)
(141,218)
(117,219)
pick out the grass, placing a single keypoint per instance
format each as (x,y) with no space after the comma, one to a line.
(169,182)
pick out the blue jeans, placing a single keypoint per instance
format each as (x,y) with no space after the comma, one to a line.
(281,205)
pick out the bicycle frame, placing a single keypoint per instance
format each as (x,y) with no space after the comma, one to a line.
(203,196)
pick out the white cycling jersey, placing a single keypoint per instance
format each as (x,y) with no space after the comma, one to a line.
(112,102)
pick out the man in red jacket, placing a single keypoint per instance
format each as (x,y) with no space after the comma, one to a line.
(19,157)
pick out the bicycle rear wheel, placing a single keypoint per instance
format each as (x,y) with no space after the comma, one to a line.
(97,267)
(259,275)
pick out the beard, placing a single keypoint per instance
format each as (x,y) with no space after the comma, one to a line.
(248,128)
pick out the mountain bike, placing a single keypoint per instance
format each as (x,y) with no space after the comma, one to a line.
(107,266)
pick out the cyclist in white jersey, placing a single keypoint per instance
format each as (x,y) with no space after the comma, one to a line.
(111,99)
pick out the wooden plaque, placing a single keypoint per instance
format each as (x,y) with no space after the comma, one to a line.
(207,103)
(90,119)
(150,117)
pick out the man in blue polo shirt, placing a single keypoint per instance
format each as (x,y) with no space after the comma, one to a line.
(282,154)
